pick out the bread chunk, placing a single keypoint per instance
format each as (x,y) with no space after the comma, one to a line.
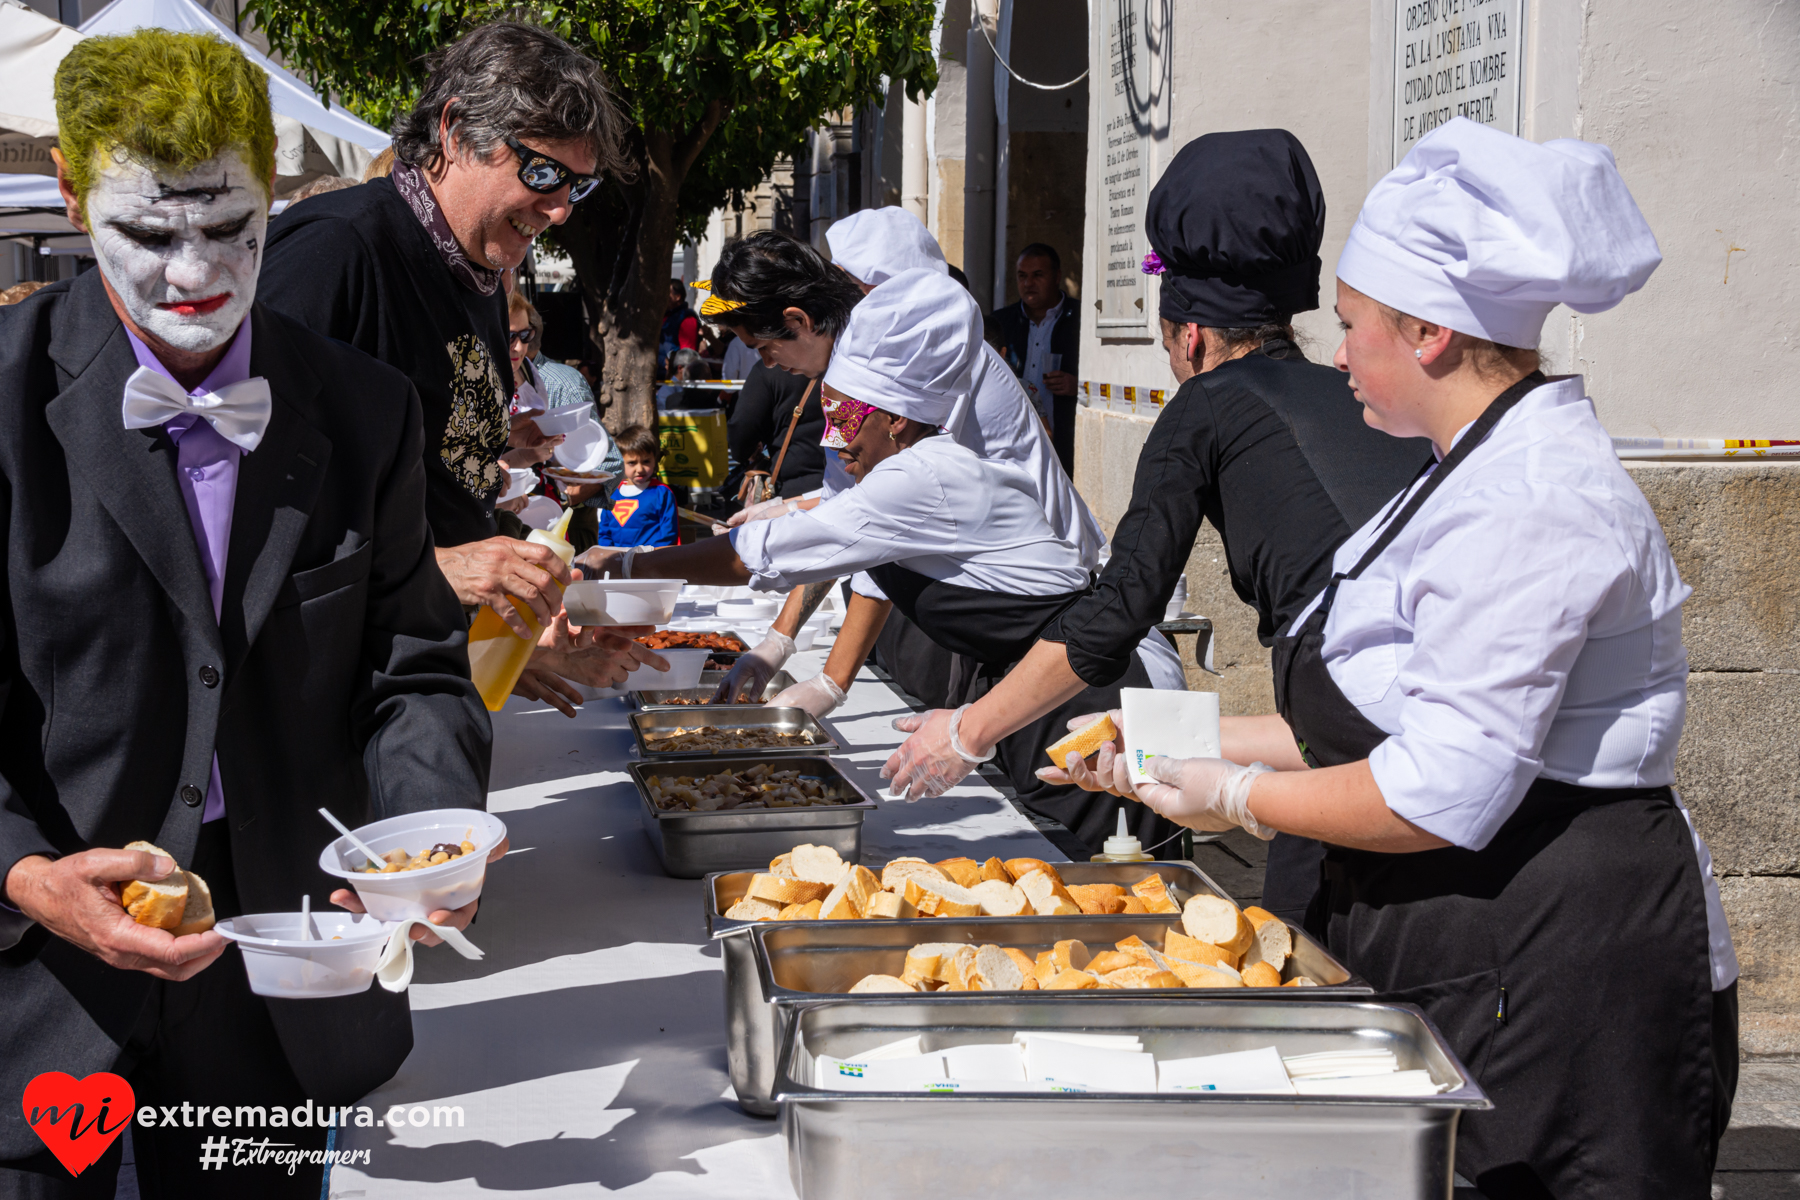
(1274,941)
(1217,920)
(1155,895)
(1000,899)
(800,912)
(197,917)
(1261,975)
(997,970)
(1177,944)
(940,898)
(1085,741)
(158,904)
(818,864)
(1071,981)
(889,906)
(964,871)
(881,983)
(1049,898)
(896,873)
(1098,899)
(993,868)
(750,909)
(1020,867)
(777,890)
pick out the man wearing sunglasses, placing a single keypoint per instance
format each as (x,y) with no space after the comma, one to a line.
(513,128)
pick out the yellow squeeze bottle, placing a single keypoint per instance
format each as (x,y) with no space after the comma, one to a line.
(497,655)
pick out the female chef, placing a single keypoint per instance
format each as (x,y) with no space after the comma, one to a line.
(960,544)
(1490,692)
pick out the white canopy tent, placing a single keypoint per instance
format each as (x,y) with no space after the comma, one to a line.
(312,138)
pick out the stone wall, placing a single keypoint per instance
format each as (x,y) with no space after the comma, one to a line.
(1735,532)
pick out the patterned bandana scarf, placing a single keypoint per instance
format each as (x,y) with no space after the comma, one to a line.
(843,421)
(410,182)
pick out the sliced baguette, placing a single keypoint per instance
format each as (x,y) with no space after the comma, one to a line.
(838,906)
(1071,981)
(782,865)
(964,871)
(927,960)
(1141,975)
(1134,946)
(993,868)
(749,909)
(197,917)
(1026,966)
(1045,968)
(959,969)
(1155,894)
(1098,899)
(997,970)
(940,898)
(1177,944)
(1085,741)
(158,904)
(1217,920)
(849,900)
(1020,867)
(1197,976)
(777,890)
(1070,955)
(1301,981)
(1108,961)
(1000,899)
(889,906)
(896,873)
(1049,898)
(1134,905)
(1274,941)
(800,912)
(881,983)
(818,864)
(1261,975)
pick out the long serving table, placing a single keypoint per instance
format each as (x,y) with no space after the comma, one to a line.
(586,1051)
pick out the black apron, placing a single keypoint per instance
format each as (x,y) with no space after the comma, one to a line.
(1566,962)
(988,633)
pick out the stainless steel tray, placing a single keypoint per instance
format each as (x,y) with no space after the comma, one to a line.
(779,962)
(876,1146)
(732,716)
(649,699)
(690,844)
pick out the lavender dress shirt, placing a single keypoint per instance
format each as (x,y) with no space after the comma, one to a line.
(207,468)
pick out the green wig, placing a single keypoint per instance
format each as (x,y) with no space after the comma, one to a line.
(168,100)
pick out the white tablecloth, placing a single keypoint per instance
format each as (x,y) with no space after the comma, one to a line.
(587,1050)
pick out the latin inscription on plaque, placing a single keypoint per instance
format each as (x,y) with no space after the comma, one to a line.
(1455,58)
(1133,112)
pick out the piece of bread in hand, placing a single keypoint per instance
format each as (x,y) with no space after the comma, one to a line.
(1217,920)
(1071,981)
(964,871)
(896,873)
(800,912)
(750,909)
(197,917)
(940,898)
(778,890)
(1000,899)
(1018,868)
(818,864)
(993,868)
(1177,944)
(888,906)
(1261,975)
(1274,941)
(1098,899)
(1085,741)
(1049,898)
(160,905)
(997,970)
(1155,895)
(881,983)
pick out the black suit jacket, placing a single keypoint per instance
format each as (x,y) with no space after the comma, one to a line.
(339,662)
(1010,331)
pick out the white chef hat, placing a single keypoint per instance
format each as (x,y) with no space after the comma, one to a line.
(910,347)
(876,244)
(1485,233)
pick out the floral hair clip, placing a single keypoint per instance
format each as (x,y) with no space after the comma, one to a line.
(1153,264)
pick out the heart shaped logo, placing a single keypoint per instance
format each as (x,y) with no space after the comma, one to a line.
(78,1118)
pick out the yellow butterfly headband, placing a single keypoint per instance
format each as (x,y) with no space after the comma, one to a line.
(712,306)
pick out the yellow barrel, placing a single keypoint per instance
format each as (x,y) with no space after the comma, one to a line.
(693,447)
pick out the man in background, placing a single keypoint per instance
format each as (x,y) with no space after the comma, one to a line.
(680,328)
(1040,338)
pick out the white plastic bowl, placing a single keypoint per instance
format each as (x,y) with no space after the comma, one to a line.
(584,448)
(519,480)
(341,962)
(754,608)
(805,636)
(684,671)
(621,601)
(541,513)
(563,420)
(407,894)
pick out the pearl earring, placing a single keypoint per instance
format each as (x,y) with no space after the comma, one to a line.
(1419,354)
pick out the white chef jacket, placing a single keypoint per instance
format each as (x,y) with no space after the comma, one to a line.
(1526,622)
(934,508)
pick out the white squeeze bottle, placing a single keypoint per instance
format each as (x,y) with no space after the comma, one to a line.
(1122,847)
(497,655)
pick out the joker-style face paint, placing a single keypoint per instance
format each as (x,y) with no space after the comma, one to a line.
(182,250)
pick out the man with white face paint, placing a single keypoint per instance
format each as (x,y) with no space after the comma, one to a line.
(221,609)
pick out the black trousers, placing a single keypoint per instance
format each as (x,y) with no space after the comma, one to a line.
(203,1043)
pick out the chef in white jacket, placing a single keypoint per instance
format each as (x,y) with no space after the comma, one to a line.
(958,543)
(1490,694)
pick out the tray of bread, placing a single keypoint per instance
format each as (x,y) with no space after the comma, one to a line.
(696,697)
(729,729)
(1255,1101)
(730,812)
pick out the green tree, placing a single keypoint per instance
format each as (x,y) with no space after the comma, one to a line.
(716,90)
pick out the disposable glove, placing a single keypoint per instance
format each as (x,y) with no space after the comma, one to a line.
(754,668)
(1211,794)
(763,511)
(819,695)
(933,760)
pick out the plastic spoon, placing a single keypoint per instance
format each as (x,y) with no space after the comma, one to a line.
(375,860)
(306,918)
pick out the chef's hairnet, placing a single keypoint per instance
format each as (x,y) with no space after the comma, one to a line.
(1237,220)
(911,346)
(1485,232)
(876,244)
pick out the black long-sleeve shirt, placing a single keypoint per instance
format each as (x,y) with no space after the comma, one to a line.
(759,422)
(1273,450)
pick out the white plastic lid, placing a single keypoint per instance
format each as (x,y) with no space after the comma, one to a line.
(1122,842)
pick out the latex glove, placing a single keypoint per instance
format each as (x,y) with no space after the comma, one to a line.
(1109,772)
(819,695)
(754,668)
(933,760)
(1211,794)
(778,507)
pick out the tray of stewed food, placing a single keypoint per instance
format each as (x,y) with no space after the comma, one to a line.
(733,729)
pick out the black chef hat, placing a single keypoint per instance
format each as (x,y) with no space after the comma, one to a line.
(1237,220)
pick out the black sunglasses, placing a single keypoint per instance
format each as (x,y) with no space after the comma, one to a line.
(519,335)
(544,175)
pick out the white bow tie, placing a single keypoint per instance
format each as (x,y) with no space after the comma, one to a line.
(239,411)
